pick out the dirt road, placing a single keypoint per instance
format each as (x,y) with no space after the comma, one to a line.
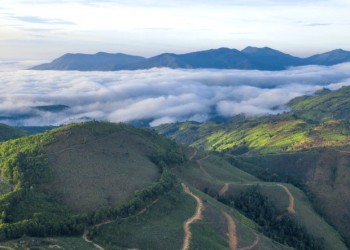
(193,154)
(255,242)
(85,238)
(199,163)
(291,199)
(8,248)
(231,228)
(224,189)
(197,216)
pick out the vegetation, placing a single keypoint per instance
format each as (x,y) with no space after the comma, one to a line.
(33,207)
(313,122)
(322,173)
(7,132)
(280,227)
(324,105)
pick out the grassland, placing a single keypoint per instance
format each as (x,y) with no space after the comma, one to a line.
(323,172)
(80,174)
(324,105)
(261,135)
(219,172)
(92,171)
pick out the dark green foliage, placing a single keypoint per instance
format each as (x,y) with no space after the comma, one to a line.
(7,133)
(265,174)
(280,227)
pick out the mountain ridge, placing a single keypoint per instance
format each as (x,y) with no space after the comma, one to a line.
(250,58)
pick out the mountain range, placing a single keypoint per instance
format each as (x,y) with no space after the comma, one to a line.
(250,58)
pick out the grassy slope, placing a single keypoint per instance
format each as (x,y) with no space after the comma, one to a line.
(282,133)
(221,172)
(92,171)
(75,169)
(314,121)
(25,243)
(324,105)
(160,227)
(324,172)
(7,133)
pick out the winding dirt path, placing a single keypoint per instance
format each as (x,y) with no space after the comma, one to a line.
(255,242)
(199,163)
(197,216)
(85,238)
(231,228)
(224,189)
(341,151)
(193,154)
(8,248)
(291,199)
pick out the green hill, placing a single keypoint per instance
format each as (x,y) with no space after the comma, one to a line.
(7,132)
(323,173)
(323,106)
(63,179)
(314,121)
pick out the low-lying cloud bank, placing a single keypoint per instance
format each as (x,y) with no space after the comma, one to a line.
(157,95)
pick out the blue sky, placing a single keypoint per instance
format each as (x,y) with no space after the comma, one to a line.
(43,29)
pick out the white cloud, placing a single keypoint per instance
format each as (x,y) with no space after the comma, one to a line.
(46,29)
(157,95)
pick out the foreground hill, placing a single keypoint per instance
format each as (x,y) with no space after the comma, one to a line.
(222,58)
(62,179)
(112,186)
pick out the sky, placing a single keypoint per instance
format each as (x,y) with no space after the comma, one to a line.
(157,95)
(46,29)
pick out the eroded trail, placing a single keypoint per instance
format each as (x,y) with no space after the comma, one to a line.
(197,216)
(199,163)
(255,242)
(8,248)
(224,189)
(291,199)
(341,151)
(231,228)
(85,238)
(193,154)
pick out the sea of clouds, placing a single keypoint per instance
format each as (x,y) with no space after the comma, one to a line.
(157,95)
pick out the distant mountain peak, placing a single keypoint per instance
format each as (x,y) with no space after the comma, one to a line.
(330,58)
(264,58)
(254,50)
